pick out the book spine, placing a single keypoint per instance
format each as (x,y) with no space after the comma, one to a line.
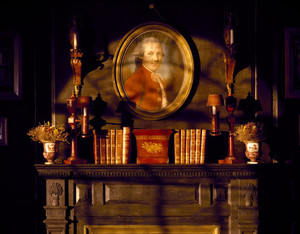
(96,144)
(193,146)
(203,146)
(187,146)
(198,146)
(113,146)
(119,145)
(103,148)
(126,145)
(182,145)
(108,147)
(177,146)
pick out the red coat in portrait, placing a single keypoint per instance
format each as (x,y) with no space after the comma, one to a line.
(144,88)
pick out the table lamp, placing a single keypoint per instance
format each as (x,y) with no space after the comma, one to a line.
(215,100)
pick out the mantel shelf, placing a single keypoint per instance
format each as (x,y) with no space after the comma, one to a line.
(162,171)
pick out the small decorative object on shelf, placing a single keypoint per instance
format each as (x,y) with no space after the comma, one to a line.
(50,150)
(50,136)
(215,100)
(252,151)
(251,134)
(250,106)
(152,145)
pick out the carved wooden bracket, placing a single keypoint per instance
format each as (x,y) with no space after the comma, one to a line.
(249,193)
(55,192)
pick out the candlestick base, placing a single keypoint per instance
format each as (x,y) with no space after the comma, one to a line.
(231,160)
(75,161)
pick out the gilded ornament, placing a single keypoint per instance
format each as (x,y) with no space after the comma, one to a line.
(152,147)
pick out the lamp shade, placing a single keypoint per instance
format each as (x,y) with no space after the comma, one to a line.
(215,100)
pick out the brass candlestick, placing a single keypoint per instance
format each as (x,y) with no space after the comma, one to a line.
(77,101)
(231,102)
(73,121)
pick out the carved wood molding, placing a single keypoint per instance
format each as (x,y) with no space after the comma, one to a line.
(150,171)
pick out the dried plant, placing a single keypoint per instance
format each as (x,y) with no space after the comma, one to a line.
(250,131)
(47,132)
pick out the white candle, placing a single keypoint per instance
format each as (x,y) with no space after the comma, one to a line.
(214,110)
(75,41)
(85,111)
(231,36)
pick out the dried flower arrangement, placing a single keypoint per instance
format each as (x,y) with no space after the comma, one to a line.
(250,131)
(47,132)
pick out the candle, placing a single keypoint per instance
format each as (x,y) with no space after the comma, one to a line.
(85,111)
(231,36)
(75,41)
(214,110)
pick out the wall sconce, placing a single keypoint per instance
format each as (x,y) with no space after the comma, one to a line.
(215,100)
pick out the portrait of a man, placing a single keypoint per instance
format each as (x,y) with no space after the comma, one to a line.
(153,70)
(145,87)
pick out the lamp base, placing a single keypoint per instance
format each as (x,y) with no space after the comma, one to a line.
(75,161)
(215,133)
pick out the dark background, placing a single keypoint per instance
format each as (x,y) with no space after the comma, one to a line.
(47,81)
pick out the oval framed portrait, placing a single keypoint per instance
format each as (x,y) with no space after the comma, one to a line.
(153,71)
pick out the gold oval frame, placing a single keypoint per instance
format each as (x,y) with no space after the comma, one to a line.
(171,35)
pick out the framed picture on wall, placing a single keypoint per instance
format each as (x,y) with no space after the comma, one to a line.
(153,71)
(10,66)
(3,131)
(292,62)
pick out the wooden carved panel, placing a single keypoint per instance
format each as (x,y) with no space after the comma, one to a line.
(220,193)
(55,193)
(83,194)
(136,193)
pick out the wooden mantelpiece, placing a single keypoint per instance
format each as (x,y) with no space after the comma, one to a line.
(135,171)
(83,198)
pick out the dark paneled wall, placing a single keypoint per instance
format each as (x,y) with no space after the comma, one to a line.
(21,206)
(45,55)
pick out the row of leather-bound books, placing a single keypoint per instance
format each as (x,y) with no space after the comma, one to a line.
(190,146)
(112,146)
